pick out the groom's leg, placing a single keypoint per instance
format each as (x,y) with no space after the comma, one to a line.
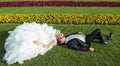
(93,35)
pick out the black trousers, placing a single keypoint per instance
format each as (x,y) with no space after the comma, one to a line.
(95,34)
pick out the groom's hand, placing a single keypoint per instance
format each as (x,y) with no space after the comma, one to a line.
(92,49)
(80,32)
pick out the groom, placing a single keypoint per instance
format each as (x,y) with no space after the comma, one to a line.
(80,41)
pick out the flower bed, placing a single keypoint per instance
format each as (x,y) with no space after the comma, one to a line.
(61,18)
(58,3)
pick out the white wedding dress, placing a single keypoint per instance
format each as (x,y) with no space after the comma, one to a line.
(19,45)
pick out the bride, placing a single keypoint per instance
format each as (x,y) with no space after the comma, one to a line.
(28,41)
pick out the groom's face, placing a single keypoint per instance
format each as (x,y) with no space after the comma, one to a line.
(61,38)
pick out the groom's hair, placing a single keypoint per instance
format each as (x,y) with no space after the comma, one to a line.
(59,43)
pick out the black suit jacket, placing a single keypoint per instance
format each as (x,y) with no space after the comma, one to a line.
(77,44)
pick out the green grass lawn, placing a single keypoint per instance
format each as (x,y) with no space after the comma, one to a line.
(60,10)
(59,0)
(104,55)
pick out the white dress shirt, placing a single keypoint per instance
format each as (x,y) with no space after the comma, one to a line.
(78,36)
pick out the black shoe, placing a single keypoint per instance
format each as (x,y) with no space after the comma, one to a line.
(110,37)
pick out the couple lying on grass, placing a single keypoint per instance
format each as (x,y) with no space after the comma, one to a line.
(78,40)
(31,39)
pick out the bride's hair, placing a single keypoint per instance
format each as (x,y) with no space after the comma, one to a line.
(58,32)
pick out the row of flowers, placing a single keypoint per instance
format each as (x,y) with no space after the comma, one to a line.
(58,3)
(61,18)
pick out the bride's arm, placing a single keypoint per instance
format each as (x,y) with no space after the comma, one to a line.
(53,43)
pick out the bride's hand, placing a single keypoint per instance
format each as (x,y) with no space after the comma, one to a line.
(36,42)
(45,46)
(54,43)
